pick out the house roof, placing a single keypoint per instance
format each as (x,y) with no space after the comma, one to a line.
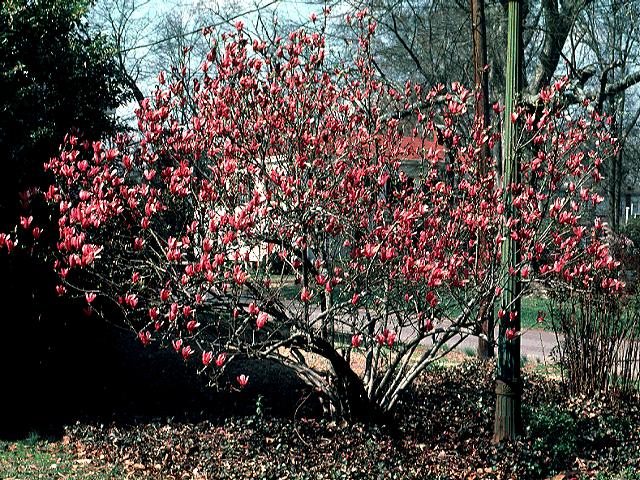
(417,149)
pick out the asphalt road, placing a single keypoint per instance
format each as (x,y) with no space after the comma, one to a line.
(534,344)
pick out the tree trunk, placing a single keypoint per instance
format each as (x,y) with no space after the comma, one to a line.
(508,422)
(479,39)
(350,400)
(619,114)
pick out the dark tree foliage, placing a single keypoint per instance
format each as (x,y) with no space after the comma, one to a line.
(53,76)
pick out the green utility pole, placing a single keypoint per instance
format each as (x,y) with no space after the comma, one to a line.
(481,77)
(508,420)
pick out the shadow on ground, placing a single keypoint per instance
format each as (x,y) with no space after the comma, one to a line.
(60,367)
(112,378)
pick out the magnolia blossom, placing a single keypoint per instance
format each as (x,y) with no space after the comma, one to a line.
(186,352)
(220,359)
(243,380)
(207,357)
(192,325)
(145,337)
(510,333)
(261,320)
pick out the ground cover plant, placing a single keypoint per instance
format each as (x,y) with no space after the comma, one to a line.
(273,163)
(442,431)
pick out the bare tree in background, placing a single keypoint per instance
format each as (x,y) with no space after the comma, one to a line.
(128,25)
(428,41)
(147,41)
(611,42)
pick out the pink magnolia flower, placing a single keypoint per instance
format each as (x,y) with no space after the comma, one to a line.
(164,294)
(145,337)
(428,325)
(221,359)
(305,295)
(261,320)
(243,380)
(391,338)
(356,341)
(173,312)
(370,250)
(90,296)
(253,309)
(131,299)
(192,325)
(186,352)
(177,344)
(510,333)
(432,299)
(207,357)
(25,222)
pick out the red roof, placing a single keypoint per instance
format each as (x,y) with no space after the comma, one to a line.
(416,146)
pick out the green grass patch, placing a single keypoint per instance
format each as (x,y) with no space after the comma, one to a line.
(529,311)
(37,457)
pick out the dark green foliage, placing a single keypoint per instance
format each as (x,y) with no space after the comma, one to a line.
(632,231)
(53,77)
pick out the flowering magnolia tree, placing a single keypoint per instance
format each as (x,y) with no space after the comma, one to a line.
(277,208)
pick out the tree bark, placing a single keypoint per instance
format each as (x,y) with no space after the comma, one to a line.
(351,401)
(479,40)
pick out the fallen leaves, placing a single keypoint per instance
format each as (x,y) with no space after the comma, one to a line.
(442,431)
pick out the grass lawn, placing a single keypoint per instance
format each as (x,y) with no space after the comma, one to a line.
(37,457)
(530,306)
